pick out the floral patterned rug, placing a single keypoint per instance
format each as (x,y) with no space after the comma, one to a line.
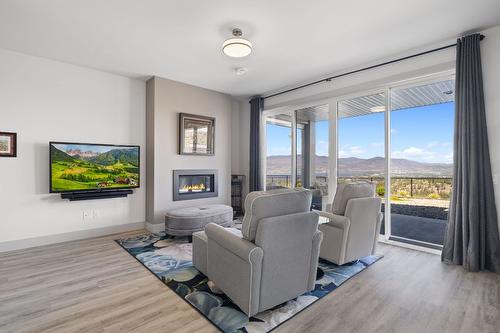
(170,260)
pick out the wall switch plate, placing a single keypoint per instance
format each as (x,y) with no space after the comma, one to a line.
(495,179)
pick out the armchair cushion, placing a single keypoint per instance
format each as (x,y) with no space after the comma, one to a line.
(263,204)
(346,192)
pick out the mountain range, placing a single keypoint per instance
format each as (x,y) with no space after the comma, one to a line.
(81,154)
(111,157)
(353,166)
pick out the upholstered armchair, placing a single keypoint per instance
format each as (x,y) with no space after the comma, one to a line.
(353,225)
(274,258)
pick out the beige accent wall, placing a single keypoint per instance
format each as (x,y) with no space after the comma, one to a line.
(165,100)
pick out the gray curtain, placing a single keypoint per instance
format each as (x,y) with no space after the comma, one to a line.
(256,107)
(472,238)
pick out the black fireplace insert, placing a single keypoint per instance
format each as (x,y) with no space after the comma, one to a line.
(194,184)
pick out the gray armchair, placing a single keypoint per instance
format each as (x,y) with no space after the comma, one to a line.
(275,257)
(353,224)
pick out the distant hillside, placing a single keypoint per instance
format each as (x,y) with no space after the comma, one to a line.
(352,166)
(59,155)
(77,153)
(116,155)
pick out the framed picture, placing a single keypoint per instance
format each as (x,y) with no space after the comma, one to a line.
(8,144)
(196,134)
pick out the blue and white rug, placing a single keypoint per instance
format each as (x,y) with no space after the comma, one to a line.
(170,260)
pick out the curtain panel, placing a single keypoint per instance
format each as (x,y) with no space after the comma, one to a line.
(472,238)
(254,179)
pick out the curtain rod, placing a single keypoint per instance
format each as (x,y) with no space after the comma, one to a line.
(328,79)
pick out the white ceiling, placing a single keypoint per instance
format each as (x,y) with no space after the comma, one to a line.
(294,41)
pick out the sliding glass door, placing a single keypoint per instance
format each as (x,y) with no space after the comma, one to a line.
(422,119)
(416,122)
(361,137)
(399,137)
(297,151)
(312,158)
(279,151)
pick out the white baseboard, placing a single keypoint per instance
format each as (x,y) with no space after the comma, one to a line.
(157,227)
(66,237)
(410,246)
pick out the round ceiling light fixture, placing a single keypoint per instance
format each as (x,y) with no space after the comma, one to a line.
(237,47)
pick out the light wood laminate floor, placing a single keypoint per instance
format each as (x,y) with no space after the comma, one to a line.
(95,286)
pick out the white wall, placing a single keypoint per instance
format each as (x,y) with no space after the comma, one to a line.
(169,99)
(490,57)
(44,100)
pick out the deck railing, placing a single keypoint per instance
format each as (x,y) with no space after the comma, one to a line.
(401,187)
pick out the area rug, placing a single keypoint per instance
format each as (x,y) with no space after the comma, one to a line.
(170,260)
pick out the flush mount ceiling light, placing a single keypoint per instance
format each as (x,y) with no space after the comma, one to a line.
(237,47)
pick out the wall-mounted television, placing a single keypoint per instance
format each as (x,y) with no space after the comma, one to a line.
(79,167)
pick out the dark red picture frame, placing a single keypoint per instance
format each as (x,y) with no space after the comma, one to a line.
(13,144)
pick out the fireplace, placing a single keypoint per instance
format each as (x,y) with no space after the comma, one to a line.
(194,184)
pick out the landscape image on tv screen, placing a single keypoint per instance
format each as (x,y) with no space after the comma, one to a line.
(79,167)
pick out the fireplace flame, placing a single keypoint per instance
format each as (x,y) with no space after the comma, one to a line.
(195,187)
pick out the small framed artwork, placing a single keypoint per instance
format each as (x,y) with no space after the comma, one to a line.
(8,144)
(196,134)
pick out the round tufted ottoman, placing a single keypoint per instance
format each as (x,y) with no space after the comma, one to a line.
(185,221)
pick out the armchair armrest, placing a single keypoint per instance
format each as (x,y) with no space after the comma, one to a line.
(337,221)
(231,242)
(235,266)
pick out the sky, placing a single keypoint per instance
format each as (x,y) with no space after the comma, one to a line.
(423,134)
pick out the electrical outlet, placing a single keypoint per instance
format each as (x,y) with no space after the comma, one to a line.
(95,214)
(495,179)
(87,214)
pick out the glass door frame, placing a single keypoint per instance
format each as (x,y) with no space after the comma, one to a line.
(293,144)
(333,148)
(387,91)
(292,111)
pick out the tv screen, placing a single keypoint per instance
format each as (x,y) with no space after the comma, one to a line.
(89,167)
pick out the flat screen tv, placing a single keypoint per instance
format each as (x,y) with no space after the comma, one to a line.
(77,167)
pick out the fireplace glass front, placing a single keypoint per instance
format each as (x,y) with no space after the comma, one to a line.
(194,184)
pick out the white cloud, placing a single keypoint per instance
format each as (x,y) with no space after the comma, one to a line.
(356,150)
(415,153)
(322,148)
(448,158)
(351,151)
